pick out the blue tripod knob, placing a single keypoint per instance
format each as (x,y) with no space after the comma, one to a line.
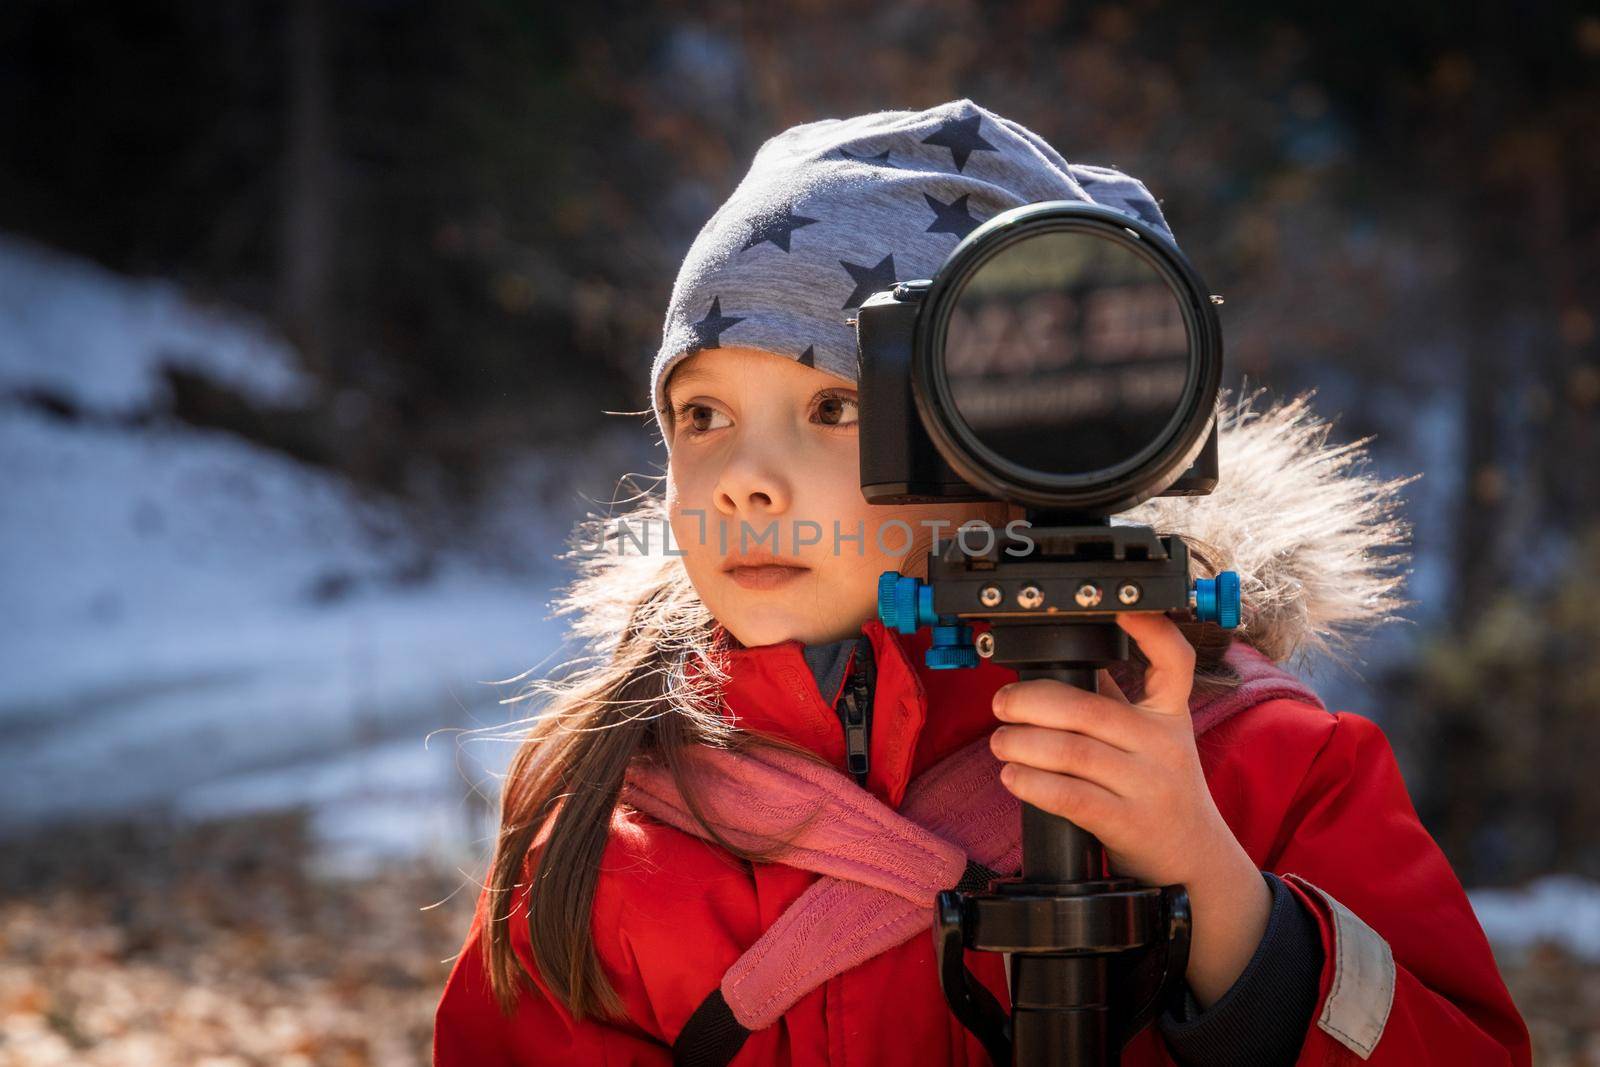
(952,647)
(905,603)
(1217,599)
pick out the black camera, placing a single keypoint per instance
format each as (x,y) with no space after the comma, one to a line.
(1066,357)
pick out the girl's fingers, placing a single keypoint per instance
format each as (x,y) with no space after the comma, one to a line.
(1170,676)
(1047,702)
(1087,804)
(1065,752)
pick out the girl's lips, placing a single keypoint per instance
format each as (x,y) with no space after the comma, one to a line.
(770,576)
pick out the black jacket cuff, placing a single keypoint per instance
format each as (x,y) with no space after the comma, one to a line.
(1261,1021)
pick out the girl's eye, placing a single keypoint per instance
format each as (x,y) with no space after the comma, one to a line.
(700,417)
(838,411)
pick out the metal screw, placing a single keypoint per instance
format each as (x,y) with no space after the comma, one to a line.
(1128,593)
(1030,596)
(1088,595)
(985,644)
(990,596)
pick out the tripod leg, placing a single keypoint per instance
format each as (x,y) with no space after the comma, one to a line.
(974,1005)
(1045,1030)
(1060,1005)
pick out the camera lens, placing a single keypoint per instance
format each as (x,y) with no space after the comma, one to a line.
(1068,359)
(1066,353)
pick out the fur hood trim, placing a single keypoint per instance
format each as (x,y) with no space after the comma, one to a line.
(1316,539)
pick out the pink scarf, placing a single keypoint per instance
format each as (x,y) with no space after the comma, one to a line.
(881,868)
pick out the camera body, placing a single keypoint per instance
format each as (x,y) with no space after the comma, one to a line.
(899,461)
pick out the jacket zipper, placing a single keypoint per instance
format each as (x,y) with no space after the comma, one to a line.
(855,711)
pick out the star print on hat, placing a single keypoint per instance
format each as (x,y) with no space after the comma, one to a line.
(962,138)
(708,331)
(777,229)
(835,210)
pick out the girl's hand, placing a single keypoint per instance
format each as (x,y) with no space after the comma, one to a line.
(1130,775)
(1127,773)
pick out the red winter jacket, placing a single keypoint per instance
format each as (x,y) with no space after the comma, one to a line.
(1315,797)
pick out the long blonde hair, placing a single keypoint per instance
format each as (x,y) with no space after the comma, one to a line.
(650,690)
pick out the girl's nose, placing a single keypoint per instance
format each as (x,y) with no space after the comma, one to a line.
(752,485)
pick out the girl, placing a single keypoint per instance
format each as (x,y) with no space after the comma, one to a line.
(642,907)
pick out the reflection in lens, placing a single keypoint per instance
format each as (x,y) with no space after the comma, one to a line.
(1067,353)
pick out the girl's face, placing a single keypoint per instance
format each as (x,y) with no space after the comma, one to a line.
(764,465)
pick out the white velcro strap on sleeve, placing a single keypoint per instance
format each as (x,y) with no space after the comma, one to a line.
(1358,1003)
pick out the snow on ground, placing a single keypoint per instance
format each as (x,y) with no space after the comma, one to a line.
(96,336)
(198,625)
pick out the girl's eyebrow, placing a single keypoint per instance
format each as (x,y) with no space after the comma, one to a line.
(689,375)
(687,378)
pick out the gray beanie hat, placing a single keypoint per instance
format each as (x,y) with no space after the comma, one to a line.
(835,210)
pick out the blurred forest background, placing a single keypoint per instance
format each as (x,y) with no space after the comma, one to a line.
(310,314)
